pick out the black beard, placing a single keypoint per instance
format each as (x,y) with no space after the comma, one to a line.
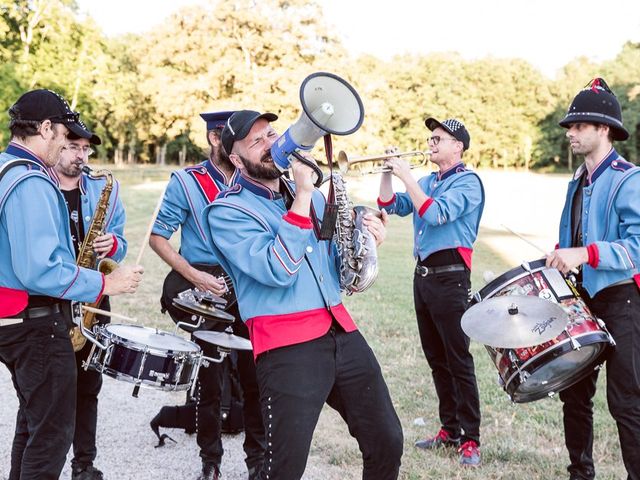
(261,171)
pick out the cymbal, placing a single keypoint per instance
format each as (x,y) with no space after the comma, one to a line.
(514,321)
(209,312)
(223,339)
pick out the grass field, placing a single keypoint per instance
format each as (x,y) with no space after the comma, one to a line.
(520,442)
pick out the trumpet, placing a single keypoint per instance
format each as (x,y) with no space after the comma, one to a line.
(345,163)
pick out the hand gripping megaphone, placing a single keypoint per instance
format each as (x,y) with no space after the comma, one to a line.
(329,105)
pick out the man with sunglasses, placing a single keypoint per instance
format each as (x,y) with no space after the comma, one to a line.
(446,206)
(38,279)
(82,193)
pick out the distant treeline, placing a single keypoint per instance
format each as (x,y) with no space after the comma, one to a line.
(142,93)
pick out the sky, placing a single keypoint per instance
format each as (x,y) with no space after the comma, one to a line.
(547,33)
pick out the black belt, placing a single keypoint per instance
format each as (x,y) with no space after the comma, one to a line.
(424,271)
(39,312)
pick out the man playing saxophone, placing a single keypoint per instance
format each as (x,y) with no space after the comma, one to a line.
(308,350)
(83,194)
(38,279)
(446,207)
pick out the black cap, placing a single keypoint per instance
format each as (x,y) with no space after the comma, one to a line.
(239,124)
(40,105)
(216,120)
(454,127)
(596,103)
(80,130)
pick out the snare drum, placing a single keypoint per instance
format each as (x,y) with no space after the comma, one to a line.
(146,357)
(532,373)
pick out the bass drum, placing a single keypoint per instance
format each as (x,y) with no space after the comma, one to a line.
(532,373)
(146,357)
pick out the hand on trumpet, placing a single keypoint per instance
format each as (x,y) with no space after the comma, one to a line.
(397,166)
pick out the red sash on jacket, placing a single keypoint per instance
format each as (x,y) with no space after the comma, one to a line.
(12,301)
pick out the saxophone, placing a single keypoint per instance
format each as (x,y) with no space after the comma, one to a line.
(87,258)
(356,246)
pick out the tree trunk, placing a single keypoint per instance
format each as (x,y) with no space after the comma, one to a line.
(182,156)
(161,154)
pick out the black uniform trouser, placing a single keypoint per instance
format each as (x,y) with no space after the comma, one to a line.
(619,307)
(208,406)
(340,369)
(84,438)
(440,301)
(39,356)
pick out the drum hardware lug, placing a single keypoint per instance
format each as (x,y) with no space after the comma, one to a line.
(551,394)
(160,376)
(476,297)
(574,343)
(136,389)
(603,326)
(599,366)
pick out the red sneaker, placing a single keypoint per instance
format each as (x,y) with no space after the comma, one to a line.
(442,439)
(469,454)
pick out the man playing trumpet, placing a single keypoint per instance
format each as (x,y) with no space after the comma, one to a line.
(446,207)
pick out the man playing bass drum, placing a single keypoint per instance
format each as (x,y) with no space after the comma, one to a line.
(195,265)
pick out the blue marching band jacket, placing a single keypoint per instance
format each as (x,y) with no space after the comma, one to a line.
(610,222)
(451,216)
(189,191)
(36,250)
(282,274)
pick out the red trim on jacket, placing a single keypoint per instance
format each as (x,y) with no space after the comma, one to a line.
(298,220)
(99,297)
(382,203)
(268,332)
(12,301)
(114,248)
(466,254)
(594,255)
(427,203)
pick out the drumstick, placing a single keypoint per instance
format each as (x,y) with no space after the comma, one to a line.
(145,240)
(573,270)
(107,313)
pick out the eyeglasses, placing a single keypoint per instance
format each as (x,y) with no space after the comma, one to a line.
(436,139)
(77,149)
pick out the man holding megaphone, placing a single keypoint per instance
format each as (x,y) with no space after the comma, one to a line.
(308,350)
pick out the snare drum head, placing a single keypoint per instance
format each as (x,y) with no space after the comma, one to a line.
(151,338)
(556,371)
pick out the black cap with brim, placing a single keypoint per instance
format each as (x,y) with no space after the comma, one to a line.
(617,129)
(80,130)
(239,125)
(42,104)
(455,127)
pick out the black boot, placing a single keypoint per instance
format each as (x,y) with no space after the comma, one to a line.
(210,471)
(86,473)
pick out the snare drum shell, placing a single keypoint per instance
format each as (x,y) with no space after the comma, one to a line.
(128,359)
(527,373)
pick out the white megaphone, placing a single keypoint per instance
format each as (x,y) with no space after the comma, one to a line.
(330,105)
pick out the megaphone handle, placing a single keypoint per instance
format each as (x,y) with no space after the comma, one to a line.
(316,169)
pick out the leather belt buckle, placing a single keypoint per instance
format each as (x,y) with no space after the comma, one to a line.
(422,270)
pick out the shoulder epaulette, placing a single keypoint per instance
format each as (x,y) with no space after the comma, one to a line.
(621,165)
(236,189)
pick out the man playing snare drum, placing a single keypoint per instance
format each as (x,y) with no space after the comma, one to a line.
(446,207)
(600,235)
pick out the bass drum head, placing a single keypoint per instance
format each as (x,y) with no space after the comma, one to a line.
(559,369)
(152,338)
